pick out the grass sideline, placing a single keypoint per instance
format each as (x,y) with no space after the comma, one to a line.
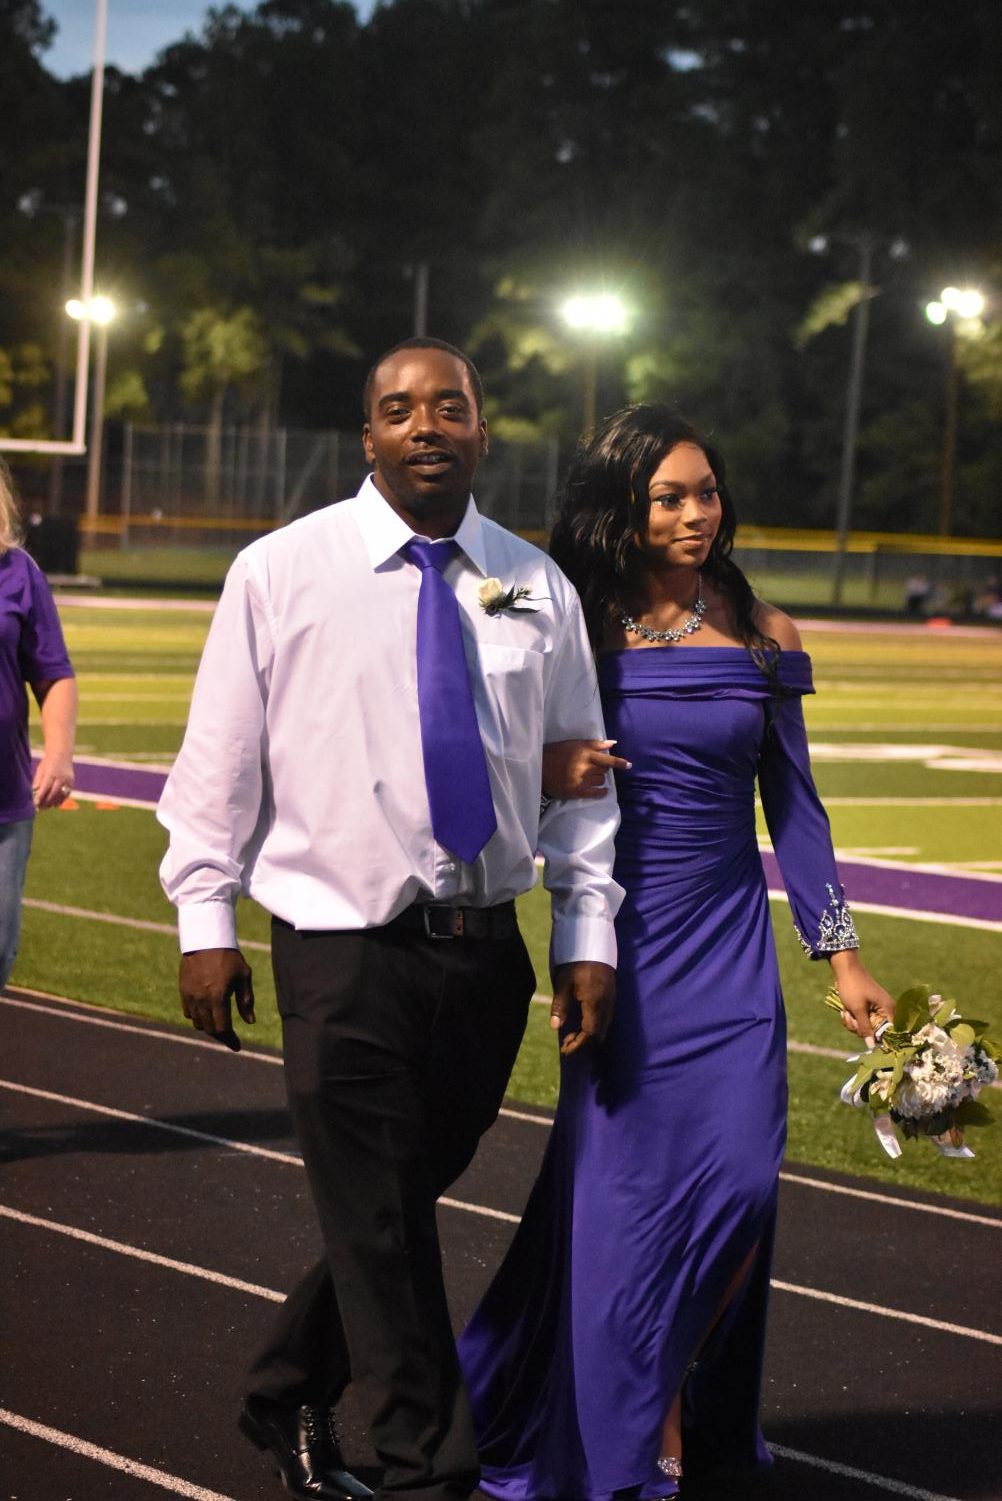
(782,578)
(136,668)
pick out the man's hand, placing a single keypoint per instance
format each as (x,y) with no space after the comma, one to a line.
(52,782)
(208,979)
(579,768)
(585,992)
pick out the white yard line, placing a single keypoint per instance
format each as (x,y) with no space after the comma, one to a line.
(912,802)
(140,923)
(108,799)
(120,1462)
(881,727)
(126,602)
(119,765)
(828,627)
(944,919)
(86,914)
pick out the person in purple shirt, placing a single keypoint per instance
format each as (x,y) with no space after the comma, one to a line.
(32,652)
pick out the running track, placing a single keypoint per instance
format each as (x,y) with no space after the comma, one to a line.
(153,1202)
(154,1206)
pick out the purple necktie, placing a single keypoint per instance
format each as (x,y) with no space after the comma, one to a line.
(455,771)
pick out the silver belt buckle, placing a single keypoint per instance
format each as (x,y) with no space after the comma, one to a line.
(457,921)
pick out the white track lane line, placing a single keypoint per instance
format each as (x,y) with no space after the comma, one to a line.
(288,1158)
(122,1248)
(884,1312)
(867,1193)
(879,1482)
(496,1214)
(120,1462)
(811,1048)
(275,1060)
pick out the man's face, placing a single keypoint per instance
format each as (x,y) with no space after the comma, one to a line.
(424,437)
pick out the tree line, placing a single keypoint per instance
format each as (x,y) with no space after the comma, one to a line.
(282,192)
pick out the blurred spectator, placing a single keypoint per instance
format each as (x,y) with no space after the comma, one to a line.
(989,601)
(917,592)
(32,653)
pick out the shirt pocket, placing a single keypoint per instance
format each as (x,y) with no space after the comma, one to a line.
(509,699)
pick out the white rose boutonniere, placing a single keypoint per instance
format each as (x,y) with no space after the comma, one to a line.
(495,598)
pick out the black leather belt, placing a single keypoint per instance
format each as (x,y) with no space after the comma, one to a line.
(439,920)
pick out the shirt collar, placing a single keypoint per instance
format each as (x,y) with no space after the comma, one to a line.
(385,533)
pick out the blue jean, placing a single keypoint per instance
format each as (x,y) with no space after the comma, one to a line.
(15,846)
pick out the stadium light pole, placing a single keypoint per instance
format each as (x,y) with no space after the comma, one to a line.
(958,311)
(865,245)
(597,316)
(75,445)
(98,311)
(853,407)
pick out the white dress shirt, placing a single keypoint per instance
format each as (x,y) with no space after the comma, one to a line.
(301,781)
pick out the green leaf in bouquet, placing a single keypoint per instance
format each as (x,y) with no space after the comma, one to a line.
(962,1035)
(972,1113)
(911,1009)
(875,1063)
(893,1042)
(944,1013)
(980,1030)
(935,1125)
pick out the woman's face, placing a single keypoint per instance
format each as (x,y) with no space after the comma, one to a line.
(685,509)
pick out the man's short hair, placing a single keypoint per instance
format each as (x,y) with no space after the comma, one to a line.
(420,342)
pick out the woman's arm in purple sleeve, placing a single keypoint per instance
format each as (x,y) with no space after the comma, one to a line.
(801,835)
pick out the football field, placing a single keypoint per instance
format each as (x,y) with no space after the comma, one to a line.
(906,732)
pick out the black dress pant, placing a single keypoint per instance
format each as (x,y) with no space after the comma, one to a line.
(398,1048)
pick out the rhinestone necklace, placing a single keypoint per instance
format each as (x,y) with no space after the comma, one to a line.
(689,625)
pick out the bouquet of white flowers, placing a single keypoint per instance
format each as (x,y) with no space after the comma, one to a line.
(925,1073)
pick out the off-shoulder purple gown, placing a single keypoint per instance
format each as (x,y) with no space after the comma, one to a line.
(661,1171)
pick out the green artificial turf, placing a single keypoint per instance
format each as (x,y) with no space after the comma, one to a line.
(136,668)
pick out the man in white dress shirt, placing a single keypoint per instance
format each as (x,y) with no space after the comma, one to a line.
(402,980)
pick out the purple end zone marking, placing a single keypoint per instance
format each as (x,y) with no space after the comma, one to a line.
(919,890)
(137,782)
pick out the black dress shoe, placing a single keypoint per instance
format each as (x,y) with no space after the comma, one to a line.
(306,1447)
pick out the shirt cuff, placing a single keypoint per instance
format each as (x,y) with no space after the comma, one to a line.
(577,939)
(206,925)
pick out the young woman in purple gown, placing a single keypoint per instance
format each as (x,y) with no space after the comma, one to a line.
(627,1322)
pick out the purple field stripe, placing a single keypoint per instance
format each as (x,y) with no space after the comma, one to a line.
(919,890)
(137,782)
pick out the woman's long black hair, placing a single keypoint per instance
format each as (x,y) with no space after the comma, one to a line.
(604,506)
